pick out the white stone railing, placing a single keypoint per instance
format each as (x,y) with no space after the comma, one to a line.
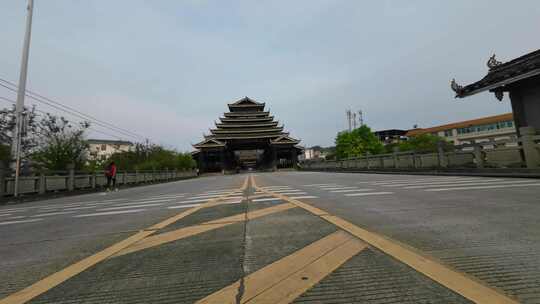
(70,181)
(492,154)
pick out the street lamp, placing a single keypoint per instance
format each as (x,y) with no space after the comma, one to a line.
(17,132)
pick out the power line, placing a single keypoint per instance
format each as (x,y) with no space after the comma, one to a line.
(72,111)
(43,112)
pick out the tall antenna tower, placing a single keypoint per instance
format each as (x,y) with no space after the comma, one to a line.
(349,118)
(354,120)
(361,118)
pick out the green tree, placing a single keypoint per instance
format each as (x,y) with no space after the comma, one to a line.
(424,143)
(153,157)
(357,142)
(7,126)
(60,143)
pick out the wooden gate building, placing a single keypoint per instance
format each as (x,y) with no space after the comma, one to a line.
(246,137)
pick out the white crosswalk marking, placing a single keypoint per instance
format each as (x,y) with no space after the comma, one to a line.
(270,199)
(207,196)
(276,187)
(293,193)
(286,190)
(340,188)
(19,222)
(400,181)
(148,201)
(483,187)
(498,182)
(79,208)
(109,213)
(318,185)
(15,217)
(476,180)
(128,207)
(5,214)
(167,196)
(368,193)
(352,190)
(331,187)
(222,191)
(305,196)
(184,206)
(53,213)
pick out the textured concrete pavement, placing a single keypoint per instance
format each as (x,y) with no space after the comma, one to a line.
(234,241)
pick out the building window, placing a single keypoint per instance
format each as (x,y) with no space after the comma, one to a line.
(448,133)
(103,147)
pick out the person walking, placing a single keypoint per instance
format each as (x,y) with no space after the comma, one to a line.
(110,173)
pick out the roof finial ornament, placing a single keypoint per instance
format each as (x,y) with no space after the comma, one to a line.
(455,86)
(492,62)
(499,94)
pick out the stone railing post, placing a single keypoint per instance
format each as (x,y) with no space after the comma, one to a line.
(71,177)
(124,178)
(2,179)
(530,148)
(42,183)
(443,162)
(478,156)
(93,180)
(367,161)
(136,176)
(395,157)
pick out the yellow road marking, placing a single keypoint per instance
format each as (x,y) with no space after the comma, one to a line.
(286,279)
(470,288)
(61,276)
(185,232)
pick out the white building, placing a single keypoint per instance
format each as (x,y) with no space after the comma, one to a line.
(311,153)
(102,149)
(498,127)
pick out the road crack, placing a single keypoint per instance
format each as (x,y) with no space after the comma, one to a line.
(243,268)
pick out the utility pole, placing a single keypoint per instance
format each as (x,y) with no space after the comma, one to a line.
(361,118)
(354,120)
(17,132)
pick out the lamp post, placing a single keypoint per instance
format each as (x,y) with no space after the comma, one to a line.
(17,132)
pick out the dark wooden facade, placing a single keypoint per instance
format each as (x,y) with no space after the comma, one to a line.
(520,78)
(246,137)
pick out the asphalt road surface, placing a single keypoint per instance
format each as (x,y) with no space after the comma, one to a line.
(284,237)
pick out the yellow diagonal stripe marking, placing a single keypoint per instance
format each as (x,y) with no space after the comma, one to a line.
(181,233)
(286,279)
(470,288)
(61,276)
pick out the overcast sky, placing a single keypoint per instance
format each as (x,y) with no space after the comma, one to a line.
(167,69)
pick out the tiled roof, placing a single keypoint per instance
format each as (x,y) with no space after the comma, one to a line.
(501,74)
(462,124)
(241,124)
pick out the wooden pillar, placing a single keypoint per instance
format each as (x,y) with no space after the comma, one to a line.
(518,111)
(222,160)
(273,157)
(202,161)
(294,157)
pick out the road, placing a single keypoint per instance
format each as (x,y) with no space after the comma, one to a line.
(283,237)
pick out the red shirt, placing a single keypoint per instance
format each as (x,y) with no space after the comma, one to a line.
(111,171)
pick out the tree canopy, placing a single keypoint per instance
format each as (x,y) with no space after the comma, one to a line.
(60,143)
(153,157)
(424,143)
(357,142)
